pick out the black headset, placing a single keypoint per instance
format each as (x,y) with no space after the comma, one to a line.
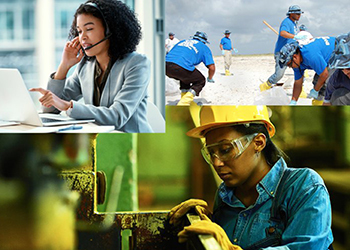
(108,33)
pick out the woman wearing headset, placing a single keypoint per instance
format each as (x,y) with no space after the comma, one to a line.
(261,203)
(110,76)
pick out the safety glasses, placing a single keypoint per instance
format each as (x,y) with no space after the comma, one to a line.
(225,151)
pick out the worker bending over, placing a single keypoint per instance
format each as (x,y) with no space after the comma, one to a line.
(287,34)
(181,62)
(315,56)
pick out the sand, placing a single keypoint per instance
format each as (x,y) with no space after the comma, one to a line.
(242,88)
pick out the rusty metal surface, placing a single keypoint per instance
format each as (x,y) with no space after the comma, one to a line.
(152,231)
(84,183)
(149,231)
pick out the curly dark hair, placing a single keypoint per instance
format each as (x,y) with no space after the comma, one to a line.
(121,21)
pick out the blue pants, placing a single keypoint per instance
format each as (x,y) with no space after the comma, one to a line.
(340,96)
(279,72)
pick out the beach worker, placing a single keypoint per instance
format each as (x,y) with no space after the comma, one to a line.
(261,203)
(307,39)
(304,34)
(315,56)
(226,50)
(110,77)
(338,86)
(287,33)
(181,62)
(170,42)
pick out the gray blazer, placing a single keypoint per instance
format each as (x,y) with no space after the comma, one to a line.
(124,98)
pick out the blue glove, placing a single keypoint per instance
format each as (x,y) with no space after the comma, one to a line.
(300,37)
(292,102)
(210,80)
(313,94)
(223,52)
(235,50)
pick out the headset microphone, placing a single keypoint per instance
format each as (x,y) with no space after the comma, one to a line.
(108,33)
(104,39)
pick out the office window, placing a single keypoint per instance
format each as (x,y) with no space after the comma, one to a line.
(7,25)
(17,22)
(28,24)
(64,14)
(130,3)
(64,18)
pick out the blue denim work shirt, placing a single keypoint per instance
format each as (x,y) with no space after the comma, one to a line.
(308,222)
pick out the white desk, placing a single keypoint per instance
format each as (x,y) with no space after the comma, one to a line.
(86,128)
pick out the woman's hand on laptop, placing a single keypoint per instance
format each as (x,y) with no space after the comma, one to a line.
(49,99)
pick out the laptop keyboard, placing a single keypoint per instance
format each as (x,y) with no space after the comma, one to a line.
(46,120)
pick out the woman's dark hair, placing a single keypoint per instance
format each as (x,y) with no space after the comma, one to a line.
(271,152)
(121,21)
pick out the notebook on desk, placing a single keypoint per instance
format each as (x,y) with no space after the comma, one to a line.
(16,104)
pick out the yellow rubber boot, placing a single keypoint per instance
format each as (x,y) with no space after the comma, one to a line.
(317,102)
(186,99)
(265,86)
(303,93)
(227,72)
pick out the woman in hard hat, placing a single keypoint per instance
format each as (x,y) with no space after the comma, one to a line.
(261,203)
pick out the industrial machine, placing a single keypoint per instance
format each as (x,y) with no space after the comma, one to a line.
(49,191)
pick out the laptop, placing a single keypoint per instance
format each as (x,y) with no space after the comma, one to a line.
(16,104)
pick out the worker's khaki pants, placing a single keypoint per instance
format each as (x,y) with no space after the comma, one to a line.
(227,59)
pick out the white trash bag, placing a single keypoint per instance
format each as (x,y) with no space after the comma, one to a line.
(172,86)
(274,96)
(205,93)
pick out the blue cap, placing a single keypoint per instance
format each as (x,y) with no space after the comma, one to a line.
(171,34)
(286,53)
(302,27)
(294,9)
(227,32)
(201,36)
(340,58)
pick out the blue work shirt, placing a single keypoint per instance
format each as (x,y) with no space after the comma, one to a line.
(308,224)
(289,26)
(315,56)
(226,43)
(336,81)
(189,53)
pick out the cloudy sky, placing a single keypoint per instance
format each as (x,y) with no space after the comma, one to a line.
(244,19)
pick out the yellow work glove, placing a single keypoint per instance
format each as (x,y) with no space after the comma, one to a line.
(180,210)
(206,226)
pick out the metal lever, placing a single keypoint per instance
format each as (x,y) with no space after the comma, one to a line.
(202,241)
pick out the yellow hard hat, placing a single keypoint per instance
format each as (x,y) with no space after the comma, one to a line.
(211,117)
